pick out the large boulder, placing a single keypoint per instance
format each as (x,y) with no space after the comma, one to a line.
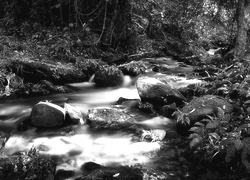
(47,115)
(94,171)
(108,77)
(108,118)
(157,92)
(199,108)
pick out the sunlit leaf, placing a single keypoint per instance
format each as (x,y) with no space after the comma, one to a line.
(246,145)
(212,124)
(187,120)
(206,120)
(238,144)
(243,127)
(228,141)
(247,103)
(248,93)
(194,142)
(244,160)
(199,124)
(214,135)
(210,117)
(220,113)
(176,113)
(194,135)
(58,5)
(195,129)
(230,152)
(215,154)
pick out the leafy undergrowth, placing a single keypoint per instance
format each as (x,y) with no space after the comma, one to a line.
(222,143)
(54,44)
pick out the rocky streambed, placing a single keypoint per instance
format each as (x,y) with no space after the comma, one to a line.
(97,132)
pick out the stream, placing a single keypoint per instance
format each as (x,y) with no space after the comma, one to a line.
(71,150)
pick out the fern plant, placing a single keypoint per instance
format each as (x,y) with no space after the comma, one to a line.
(238,144)
(211,137)
(206,137)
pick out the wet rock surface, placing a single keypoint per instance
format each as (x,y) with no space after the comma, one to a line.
(200,107)
(157,93)
(110,118)
(47,115)
(89,66)
(108,77)
(206,105)
(134,68)
(34,71)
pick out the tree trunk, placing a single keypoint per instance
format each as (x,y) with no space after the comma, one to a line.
(108,35)
(242,22)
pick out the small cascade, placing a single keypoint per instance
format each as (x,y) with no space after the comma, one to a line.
(83,147)
(91,79)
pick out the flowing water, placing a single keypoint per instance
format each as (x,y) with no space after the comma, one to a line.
(71,150)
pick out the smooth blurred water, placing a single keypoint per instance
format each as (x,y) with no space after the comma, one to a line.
(72,150)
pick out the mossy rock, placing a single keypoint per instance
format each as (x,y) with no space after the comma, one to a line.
(133,68)
(110,119)
(108,77)
(200,108)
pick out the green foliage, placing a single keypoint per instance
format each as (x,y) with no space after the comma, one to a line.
(124,26)
(211,137)
(182,118)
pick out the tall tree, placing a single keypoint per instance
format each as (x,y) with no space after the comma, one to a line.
(242,15)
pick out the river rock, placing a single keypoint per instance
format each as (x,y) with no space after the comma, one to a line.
(199,108)
(26,167)
(94,171)
(108,77)
(73,114)
(57,73)
(153,134)
(108,118)
(89,66)
(157,92)
(46,114)
(134,68)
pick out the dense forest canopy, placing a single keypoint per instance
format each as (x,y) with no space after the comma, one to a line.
(129,26)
